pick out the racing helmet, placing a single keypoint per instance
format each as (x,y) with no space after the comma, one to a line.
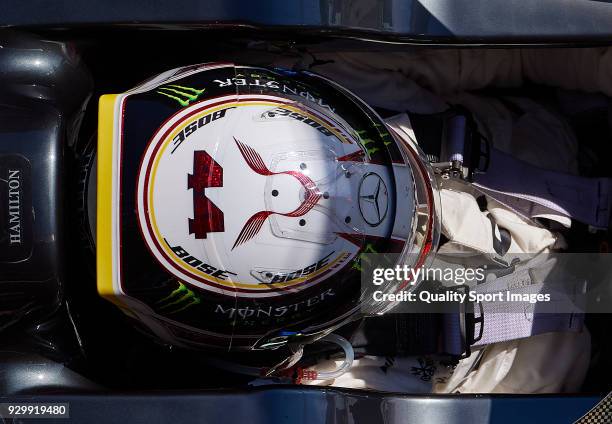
(235,203)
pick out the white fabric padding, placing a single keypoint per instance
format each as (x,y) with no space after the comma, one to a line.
(546,363)
(407,375)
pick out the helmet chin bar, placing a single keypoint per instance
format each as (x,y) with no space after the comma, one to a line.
(420,249)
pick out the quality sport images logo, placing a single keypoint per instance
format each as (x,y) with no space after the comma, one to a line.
(202,203)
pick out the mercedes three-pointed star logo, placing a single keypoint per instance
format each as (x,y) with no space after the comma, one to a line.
(373,199)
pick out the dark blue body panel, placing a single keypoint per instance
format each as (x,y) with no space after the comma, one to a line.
(293,405)
(503,21)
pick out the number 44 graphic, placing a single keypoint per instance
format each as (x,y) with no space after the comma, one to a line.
(207,217)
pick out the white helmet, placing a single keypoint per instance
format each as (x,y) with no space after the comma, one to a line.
(234,204)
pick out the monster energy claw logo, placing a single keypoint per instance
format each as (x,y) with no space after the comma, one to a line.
(179,300)
(183,95)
